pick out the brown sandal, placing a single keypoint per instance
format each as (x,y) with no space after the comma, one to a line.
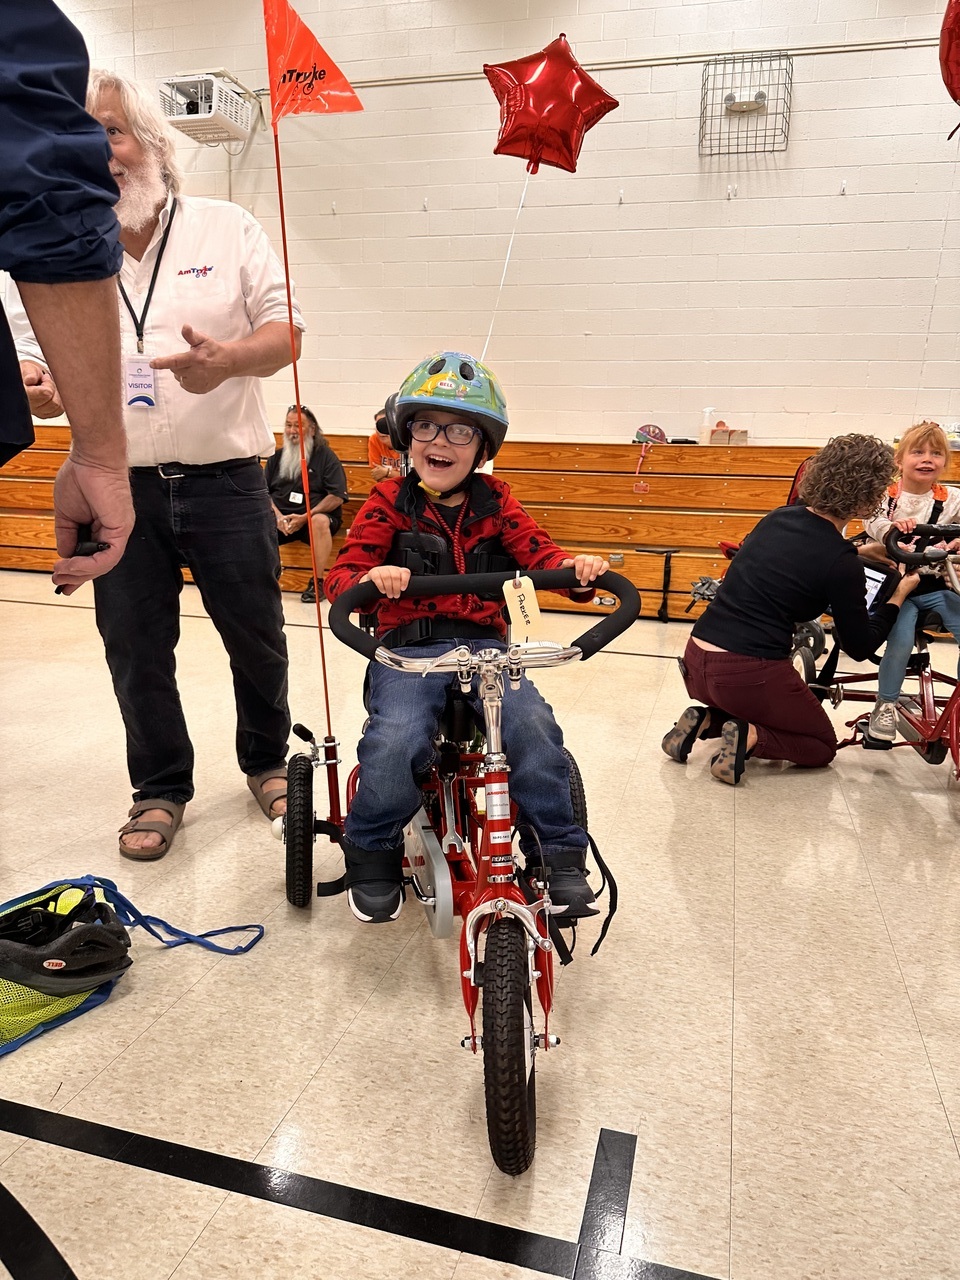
(167,830)
(267,799)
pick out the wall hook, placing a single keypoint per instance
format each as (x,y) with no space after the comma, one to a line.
(425,204)
(620,201)
(333,207)
(843,187)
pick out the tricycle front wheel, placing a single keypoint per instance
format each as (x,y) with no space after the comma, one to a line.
(509,1048)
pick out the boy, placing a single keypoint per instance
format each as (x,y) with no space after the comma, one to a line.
(917,497)
(452,417)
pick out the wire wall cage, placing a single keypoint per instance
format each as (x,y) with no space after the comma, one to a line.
(745,104)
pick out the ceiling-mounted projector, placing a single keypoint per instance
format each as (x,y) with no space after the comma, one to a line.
(208,106)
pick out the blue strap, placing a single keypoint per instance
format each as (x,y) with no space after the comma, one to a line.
(130,916)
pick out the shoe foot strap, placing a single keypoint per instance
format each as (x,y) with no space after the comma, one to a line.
(385,864)
(562,860)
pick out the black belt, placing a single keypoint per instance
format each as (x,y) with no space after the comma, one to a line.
(174,470)
(423,629)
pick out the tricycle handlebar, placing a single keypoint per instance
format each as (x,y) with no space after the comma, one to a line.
(363,596)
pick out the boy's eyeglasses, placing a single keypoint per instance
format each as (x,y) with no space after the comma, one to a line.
(292,408)
(459,434)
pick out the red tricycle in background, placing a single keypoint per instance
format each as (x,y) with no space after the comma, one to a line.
(927,720)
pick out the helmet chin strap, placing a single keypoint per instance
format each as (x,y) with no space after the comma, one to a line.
(464,483)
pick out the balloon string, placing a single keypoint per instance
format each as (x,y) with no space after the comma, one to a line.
(506,263)
(936,282)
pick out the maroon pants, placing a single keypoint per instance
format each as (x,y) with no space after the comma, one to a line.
(769,694)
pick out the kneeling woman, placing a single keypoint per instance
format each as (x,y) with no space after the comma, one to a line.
(795,565)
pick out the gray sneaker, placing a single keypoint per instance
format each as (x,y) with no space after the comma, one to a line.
(883,721)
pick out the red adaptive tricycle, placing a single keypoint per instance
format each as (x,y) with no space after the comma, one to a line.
(927,721)
(459,858)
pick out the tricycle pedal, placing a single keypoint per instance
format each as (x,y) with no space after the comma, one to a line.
(874,744)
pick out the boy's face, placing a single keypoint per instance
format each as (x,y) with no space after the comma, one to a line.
(440,464)
(922,466)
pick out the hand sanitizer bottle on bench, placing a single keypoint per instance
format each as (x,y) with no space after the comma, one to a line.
(706,426)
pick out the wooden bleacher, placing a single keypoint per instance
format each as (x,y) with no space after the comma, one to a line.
(590,497)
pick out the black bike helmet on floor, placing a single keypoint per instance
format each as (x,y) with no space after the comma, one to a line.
(64,944)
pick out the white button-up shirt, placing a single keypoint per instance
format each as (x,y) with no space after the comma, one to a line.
(218,273)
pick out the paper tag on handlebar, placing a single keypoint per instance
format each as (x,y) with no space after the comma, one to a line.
(523,609)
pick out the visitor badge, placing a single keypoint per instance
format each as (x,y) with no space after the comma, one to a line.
(140,389)
(523,609)
(296,497)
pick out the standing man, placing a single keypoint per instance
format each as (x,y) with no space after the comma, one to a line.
(328,491)
(203,314)
(59,240)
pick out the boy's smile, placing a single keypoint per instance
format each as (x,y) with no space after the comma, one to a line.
(440,464)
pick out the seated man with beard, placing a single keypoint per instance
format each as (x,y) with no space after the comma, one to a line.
(328,491)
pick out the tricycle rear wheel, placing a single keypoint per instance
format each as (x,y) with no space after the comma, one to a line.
(578,796)
(298,830)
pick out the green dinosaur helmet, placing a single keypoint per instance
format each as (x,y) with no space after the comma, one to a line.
(455,382)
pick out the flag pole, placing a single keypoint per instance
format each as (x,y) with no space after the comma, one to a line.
(304,473)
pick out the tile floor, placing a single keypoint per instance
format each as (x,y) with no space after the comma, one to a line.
(774,1015)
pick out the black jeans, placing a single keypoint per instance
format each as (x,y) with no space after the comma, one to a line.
(218,521)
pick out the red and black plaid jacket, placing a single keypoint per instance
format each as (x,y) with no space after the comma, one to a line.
(401,506)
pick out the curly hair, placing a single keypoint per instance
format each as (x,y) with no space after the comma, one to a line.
(917,436)
(848,477)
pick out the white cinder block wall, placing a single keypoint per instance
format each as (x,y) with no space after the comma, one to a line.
(797,311)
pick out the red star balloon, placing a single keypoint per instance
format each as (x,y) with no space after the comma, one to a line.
(547,103)
(950,50)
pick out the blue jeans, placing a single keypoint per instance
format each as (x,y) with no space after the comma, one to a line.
(397,744)
(220,524)
(900,640)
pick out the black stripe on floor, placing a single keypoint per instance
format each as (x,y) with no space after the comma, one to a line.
(25,1250)
(603,1220)
(596,1264)
(605,1213)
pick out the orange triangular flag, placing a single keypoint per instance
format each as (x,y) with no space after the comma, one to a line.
(302,76)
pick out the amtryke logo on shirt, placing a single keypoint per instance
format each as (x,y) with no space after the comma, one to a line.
(197,272)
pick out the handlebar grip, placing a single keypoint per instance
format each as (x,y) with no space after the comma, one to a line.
(942,532)
(924,555)
(361,597)
(614,624)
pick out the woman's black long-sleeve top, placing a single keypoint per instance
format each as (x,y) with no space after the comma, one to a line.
(794,566)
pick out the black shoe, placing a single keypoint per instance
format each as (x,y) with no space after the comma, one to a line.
(375,901)
(571,897)
(728,764)
(311,594)
(678,743)
(374,883)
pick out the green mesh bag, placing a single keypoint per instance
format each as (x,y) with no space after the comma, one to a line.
(62,949)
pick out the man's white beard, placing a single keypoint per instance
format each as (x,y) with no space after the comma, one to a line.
(143,195)
(290,457)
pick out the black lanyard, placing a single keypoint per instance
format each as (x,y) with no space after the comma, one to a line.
(138,324)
